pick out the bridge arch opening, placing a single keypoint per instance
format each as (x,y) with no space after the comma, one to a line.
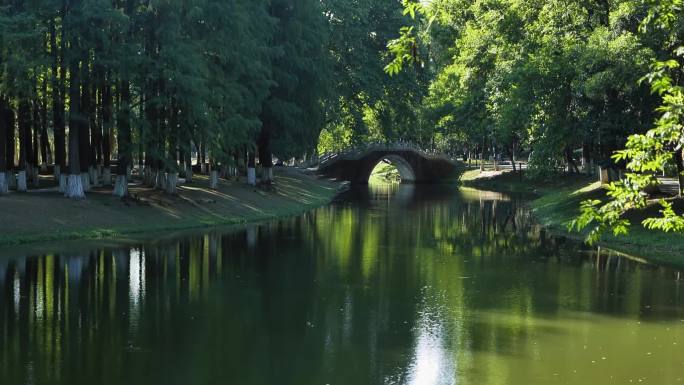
(402,167)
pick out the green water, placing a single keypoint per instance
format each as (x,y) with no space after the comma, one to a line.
(386,286)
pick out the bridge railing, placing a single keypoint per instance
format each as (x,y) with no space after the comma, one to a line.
(356,152)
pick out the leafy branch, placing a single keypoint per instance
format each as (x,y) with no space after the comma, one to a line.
(404,49)
(645,155)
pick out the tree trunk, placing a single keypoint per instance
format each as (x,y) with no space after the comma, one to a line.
(86,150)
(4,186)
(572,166)
(201,156)
(107,109)
(123,140)
(58,101)
(251,169)
(188,165)
(4,127)
(35,171)
(45,154)
(10,144)
(97,121)
(62,183)
(21,181)
(44,149)
(586,158)
(182,171)
(94,176)
(74,185)
(172,149)
(239,163)
(159,179)
(172,183)
(32,141)
(213,179)
(265,156)
(24,120)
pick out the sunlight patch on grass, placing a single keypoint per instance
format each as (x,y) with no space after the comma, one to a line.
(587,189)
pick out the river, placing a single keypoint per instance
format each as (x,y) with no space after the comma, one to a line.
(387,285)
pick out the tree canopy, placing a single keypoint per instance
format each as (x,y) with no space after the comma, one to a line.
(156,84)
(569,84)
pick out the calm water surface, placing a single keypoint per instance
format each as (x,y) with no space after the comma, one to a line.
(386,286)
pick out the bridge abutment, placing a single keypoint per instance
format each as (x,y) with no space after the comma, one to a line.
(414,166)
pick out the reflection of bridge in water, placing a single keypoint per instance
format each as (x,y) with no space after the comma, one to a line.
(414,164)
(317,290)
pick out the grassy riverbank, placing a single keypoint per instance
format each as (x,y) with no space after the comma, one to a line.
(385,173)
(47,216)
(557,202)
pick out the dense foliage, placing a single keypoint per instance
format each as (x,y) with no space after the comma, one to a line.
(549,77)
(574,85)
(157,83)
(650,154)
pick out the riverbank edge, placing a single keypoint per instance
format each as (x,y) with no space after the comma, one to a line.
(120,232)
(555,204)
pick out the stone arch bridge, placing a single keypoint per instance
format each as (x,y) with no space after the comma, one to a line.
(414,164)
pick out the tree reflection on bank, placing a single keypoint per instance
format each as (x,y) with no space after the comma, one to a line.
(416,286)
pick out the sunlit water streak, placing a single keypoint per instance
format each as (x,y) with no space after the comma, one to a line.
(136,284)
(432,362)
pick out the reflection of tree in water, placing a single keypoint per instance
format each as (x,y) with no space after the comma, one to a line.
(372,292)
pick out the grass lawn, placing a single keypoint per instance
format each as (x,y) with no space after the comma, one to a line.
(555,203)
(48,216)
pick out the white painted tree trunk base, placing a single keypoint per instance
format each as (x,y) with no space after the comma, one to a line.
(36,177)
(213,180)
(107,176)
(251,176)
(74,189)
(11,180)
(4,186)
(85,181)
(21,181)
(188,175)
(121,186)
(62,183)
(94,177)
(147,176)
(203,168)
(172,183)
(267,175)
(160,180)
